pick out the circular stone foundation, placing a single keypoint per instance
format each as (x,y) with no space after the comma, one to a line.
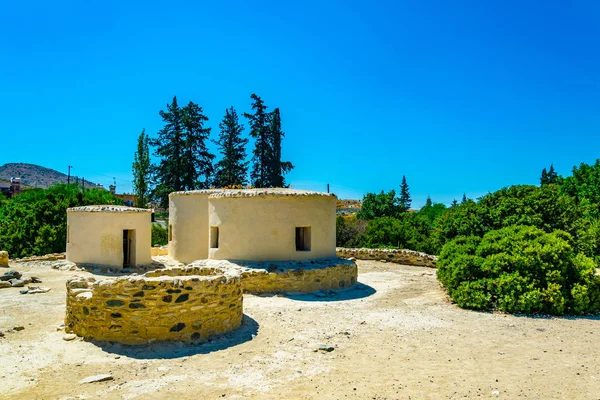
(174,304)
(289,276)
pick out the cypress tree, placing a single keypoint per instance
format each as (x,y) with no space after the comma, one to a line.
(168,147)
(544,177)
(196,164)
(259,130)
(454,204)
(428,203)
(231,169)
(404,195)
(277,168)
(141,170)
(552,175)
(464,199)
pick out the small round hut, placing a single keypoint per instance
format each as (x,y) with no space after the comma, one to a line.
(107,235)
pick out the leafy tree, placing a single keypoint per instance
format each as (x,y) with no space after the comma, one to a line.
(432,211)
(404,195)
(349,231)
(584,185)
(159,235)
(35,222)
(407,231)
(232,169)
(379,205)
(277,168)
(142,170)
(519,269)
(262,153)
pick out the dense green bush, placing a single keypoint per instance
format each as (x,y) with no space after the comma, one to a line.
(159,235)
(546,207)
(34,223)
(407,231)
(349,231)
(520,269)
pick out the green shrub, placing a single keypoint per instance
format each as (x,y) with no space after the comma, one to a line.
(159,235)
(520,269)
(35,222)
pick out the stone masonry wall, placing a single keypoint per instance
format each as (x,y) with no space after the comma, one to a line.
(405,257)
(290,276)
(154,306)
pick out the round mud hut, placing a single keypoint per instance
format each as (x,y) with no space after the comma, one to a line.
(109,236)
(251,225)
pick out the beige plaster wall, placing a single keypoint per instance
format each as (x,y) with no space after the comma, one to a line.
(188,220)
(155,307)
(263,228)
(97,237)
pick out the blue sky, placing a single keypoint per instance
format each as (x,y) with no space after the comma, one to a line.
(459,96)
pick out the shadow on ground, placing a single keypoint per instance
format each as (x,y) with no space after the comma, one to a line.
(168,350)
(358,291)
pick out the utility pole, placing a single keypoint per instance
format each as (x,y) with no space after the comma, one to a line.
(69,175)
(328,188)
(83,184)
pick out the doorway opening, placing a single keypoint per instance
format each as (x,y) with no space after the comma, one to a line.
(128,248)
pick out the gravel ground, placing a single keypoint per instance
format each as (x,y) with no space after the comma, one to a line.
(393,336)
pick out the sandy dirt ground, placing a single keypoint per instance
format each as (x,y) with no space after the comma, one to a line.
(395,336)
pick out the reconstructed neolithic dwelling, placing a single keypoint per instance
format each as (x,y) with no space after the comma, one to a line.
(234,241)
(251,225)
(111,236)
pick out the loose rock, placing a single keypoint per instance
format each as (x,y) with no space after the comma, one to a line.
(96,378)
(24,291)
(10,274)
(325,348)
(18,328)
(17,282)
(69,336)
(5,284)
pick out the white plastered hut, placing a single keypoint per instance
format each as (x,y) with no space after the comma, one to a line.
(107,235)
(251,224)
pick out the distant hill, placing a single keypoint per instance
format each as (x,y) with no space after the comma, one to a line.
(36,175)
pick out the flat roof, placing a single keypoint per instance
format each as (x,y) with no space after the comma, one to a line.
(264,192)
(109,208)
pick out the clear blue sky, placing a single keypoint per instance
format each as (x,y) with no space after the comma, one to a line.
(459,96)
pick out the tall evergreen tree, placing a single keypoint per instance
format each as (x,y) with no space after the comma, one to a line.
(259,130)
(232,169)
(405,199)
(544,177)
(552,175)
(454,204)
(141,170)
(464,199)
(196,165)
(168,147)
(277,168)
(428,202)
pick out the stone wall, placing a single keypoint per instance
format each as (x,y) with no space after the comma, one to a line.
(174,304)
(3,259)
(46,257)
(159,251)
(290,276)
(405,257)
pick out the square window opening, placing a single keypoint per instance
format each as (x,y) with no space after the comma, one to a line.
(214,237)
(303,238)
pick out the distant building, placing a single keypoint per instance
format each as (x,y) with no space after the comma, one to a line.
(11,189)
(128,199)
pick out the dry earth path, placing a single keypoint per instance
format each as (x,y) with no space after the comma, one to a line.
(395,336)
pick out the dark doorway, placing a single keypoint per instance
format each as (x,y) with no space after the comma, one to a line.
(128,248)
